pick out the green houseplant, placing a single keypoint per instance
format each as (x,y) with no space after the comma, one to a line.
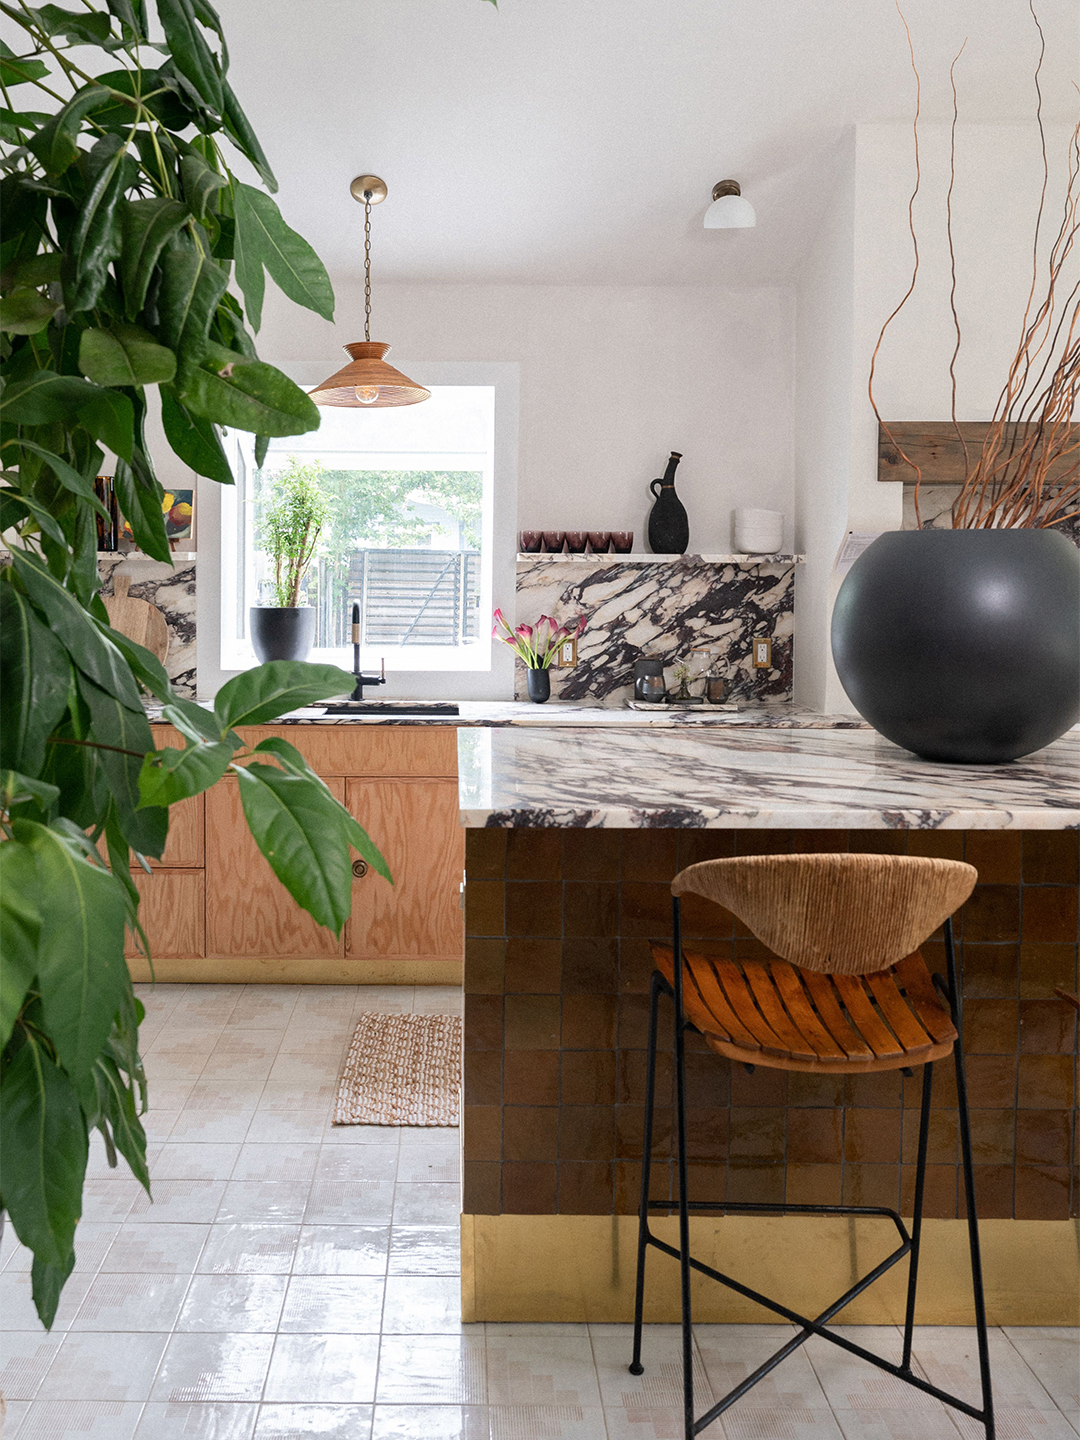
(290,521)
(123,227)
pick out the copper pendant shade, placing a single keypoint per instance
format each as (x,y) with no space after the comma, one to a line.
(368,381)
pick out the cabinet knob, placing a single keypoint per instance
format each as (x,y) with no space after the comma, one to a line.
(359,868)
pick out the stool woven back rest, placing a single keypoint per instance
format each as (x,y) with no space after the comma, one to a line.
(838,914)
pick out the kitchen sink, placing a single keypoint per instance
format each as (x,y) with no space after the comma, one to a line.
(392,707)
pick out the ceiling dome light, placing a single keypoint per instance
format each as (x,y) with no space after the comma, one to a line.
(729,211)
(367,380)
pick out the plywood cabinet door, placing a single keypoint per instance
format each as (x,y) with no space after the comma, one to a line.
(171,912)
(248,910)
(415,825)
(184,847)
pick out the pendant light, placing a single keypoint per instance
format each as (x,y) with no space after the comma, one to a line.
(367,380)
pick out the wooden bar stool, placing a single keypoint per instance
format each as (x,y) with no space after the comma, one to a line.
(851,993)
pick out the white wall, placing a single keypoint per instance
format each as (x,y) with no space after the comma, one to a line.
(612,379)
(824,340)
(858,268)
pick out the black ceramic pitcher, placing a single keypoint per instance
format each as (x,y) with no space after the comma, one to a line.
(669,529)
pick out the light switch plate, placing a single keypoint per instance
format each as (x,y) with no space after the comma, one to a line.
(762,653)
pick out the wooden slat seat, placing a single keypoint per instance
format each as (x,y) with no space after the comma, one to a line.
(781,1016)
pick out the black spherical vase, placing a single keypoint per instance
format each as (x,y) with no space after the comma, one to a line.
(963,645)
(282,633)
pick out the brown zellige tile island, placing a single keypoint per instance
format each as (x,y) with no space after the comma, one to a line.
(572,840)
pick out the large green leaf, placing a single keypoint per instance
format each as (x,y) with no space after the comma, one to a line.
(16,789)
(25,507)
(145,86)
(87,29)
(44,397)
(238,128)
(20,928)
(43,1149)
(270,690)
(81,970)
(14,71)
(145,666)
(191,286)
(93,654)
(201,183)
(140,502)
(54,145)
(246,394)
(194,439)
(25,312)
(171,775)
(114,725)
(291,261)
(36,684)
(196,723)
(46,1283)
(291,760)
(125,355)
(190,53)
(95,241)
(248,259)
(132,13)
(145,227)
(297,826)
(110,418)
(68,476)
(117,1118)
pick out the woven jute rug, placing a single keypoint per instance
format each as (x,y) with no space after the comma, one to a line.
(401,1070)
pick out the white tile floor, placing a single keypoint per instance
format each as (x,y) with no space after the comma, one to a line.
(292,1279)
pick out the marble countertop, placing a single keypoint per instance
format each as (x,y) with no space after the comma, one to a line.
(754,779)
(498,714)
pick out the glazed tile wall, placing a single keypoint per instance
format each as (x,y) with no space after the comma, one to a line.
(556,977)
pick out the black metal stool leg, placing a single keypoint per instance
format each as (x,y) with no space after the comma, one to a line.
(636,1367)
(969,1188)
(916,1222)
(684,1211)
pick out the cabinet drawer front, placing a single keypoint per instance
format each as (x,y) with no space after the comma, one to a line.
(171,904)
(415,825)
(367,749)
(248,910)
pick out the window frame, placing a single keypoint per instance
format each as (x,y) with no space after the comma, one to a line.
(488,672)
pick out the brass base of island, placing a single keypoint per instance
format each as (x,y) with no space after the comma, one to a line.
(577,1268)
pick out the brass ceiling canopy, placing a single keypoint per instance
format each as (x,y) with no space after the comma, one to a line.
(367,380)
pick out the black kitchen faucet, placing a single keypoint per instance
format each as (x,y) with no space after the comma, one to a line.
(360,677)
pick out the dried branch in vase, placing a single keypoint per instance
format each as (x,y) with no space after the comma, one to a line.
(1007,483)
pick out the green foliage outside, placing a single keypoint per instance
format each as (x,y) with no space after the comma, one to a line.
(369,509)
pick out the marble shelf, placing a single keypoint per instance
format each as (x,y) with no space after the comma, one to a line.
(638,557)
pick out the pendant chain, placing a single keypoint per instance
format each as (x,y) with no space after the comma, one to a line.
(367,269)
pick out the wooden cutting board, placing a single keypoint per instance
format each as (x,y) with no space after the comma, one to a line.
(137,619)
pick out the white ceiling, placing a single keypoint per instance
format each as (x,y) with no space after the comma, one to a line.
(577,141)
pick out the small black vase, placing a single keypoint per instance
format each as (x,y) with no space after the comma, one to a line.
(539,682)
(669,529)
(963,645)
(282,633)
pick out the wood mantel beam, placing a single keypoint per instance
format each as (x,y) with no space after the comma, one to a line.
(935,446)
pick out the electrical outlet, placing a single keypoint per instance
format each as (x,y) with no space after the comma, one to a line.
(762,653)
(566,654)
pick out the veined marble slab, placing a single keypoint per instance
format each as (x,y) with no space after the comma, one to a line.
(499,714)
(172,589)
(664,606)
(754,779)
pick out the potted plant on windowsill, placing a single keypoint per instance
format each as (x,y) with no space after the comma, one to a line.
(536,647)
(288,530)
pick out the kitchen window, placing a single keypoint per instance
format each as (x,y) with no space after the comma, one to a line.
(410,530)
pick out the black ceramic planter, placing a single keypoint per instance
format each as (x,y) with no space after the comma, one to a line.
(282,634)
(539,682)
(963,645)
